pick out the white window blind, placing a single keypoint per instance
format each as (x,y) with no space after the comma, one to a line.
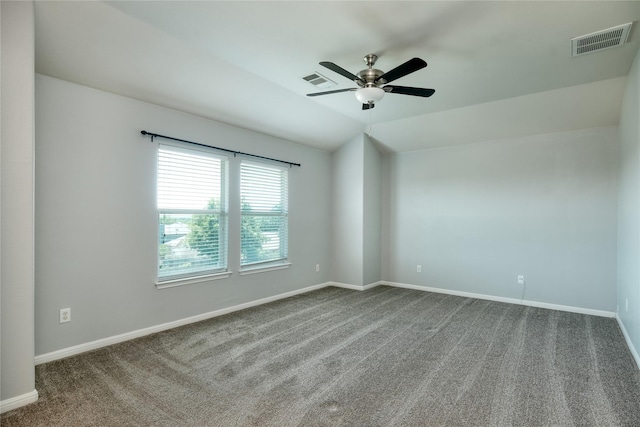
(264,210)
(192,212)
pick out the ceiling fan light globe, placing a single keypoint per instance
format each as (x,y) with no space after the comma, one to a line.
(369,94)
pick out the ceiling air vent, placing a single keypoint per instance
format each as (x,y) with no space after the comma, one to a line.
(320,81)
(600,40)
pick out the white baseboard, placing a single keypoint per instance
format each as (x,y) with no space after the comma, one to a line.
(537,304)
(355,287)
(18,401)
(373,285)
(346,286)
(93,345)
(627,338)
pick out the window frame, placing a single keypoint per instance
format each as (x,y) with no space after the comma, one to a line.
(222,270)
(283,260)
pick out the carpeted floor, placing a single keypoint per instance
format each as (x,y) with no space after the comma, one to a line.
(335,357)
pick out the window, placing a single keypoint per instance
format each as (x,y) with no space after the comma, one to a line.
(264,222)
(192,213)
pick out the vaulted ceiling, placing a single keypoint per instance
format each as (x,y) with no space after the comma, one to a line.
(500,69)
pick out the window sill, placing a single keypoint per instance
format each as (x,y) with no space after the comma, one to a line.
(255,270)
(191,280)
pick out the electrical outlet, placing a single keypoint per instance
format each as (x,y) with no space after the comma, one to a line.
(520,280)
(317,267)
(65,315)
(419,269)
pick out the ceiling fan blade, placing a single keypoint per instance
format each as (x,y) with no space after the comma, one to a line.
(340,70)
(405,90)
(368,106)
(332,91)
(408,67)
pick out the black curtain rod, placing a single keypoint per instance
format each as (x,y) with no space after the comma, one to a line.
(155,135)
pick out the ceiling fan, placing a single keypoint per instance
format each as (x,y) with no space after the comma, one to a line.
(373,83)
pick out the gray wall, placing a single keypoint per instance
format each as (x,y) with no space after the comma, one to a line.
(347,212)
(629,209)
(16,203)
(95,217)
(386,199)
(357,190)
(372,193)
(476,216)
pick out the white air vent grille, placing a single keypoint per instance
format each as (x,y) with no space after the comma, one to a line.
(320,81)
(600,40)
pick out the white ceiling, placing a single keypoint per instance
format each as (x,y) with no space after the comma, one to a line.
(500,69)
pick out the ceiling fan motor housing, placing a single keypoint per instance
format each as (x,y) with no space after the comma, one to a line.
(369,77)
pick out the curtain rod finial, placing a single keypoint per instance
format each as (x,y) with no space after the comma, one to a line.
(144,132)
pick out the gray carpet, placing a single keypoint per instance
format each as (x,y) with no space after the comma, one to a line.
(384,357)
